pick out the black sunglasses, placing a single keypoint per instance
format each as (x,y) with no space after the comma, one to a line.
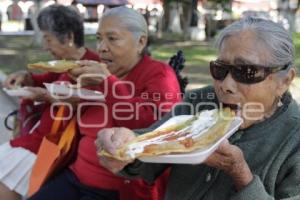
(242,73)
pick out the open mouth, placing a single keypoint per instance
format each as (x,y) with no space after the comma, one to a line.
(234,107)
(106,61)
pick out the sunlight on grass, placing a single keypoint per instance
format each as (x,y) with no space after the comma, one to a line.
(207,58)
(295,88)
(296,81)
(162,55)
(297,47)
(194,55)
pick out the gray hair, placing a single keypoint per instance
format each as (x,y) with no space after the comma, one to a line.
(62,22)
(131,19)
(277,40)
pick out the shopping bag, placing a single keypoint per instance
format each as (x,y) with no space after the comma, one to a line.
(28,115)
(25,119)
(53,153)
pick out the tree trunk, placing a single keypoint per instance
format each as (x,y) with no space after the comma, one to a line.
(289,10)
(175,18)
(37,37)
(188,9)
(165,18)
(186,19)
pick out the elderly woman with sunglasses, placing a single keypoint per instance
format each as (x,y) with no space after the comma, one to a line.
(261,161)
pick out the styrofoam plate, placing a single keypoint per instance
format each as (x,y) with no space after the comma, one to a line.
(19,92)
(194,157)
(64,90)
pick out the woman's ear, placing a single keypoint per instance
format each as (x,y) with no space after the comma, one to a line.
(285,82)
(142,43)
(70,40)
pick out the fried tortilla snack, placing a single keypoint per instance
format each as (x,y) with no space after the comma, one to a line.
(198,132)
(57,66)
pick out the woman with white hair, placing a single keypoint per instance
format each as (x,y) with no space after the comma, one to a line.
(138,90)
(261,161)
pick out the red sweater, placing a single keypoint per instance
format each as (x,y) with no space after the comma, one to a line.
(154,89)
(32,141)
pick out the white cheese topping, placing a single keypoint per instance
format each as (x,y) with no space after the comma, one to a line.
(204,121)
(53,62)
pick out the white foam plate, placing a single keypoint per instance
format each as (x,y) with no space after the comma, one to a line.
(64,91)
(20,92)
(195,157)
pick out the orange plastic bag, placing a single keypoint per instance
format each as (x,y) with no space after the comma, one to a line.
(53,152)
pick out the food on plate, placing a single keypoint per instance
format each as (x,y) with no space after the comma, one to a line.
(198,132)
(57,66)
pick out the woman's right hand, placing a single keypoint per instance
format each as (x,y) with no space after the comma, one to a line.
(20,78)
(90,73)
(111,139)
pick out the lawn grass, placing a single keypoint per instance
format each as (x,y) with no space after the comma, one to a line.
(297,48)
(195,55)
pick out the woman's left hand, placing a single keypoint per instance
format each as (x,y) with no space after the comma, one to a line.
(39,94)
(90,73)
(42,95)
(230,159)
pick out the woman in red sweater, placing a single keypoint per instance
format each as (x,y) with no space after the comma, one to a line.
(138,90)
(63,37)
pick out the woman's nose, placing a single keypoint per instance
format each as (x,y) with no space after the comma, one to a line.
(102,47)
(228,85)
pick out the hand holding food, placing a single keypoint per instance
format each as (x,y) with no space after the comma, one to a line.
(230,159)
(18,79)
(39,94)
(44,94)
(198,132)
(111,140)
(90,73)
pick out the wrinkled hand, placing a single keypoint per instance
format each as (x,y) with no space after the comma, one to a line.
(43,95)
(110,140)
(230,159)
(39,94)
(90,73)
(20,78)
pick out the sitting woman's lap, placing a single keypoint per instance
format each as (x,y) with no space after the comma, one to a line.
(66,186)
(15,167)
